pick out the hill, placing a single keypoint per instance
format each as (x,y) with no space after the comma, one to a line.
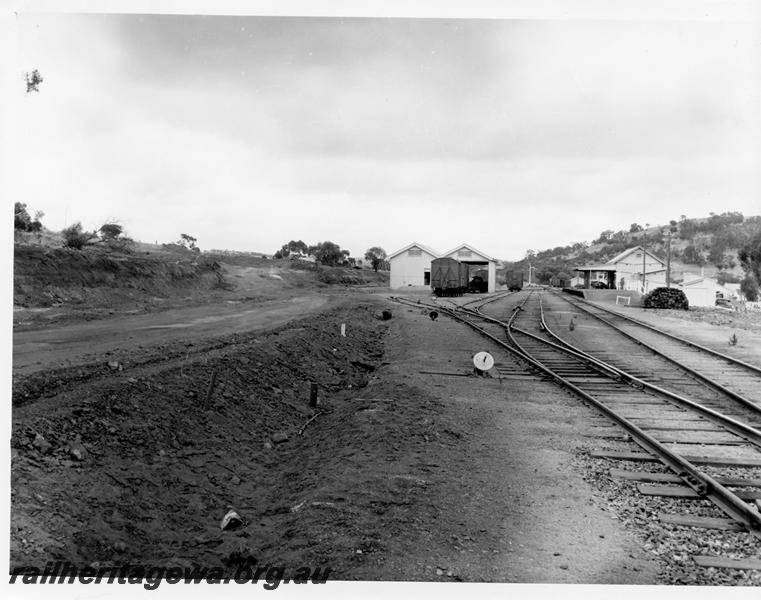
(706,244)
(52,283)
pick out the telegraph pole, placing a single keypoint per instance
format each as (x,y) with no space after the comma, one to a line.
(644,255)
(672,229)
(668,261)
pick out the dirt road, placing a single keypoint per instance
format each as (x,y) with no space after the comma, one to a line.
(404,476)
(75,344)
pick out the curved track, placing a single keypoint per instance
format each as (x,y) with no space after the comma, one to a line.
(727,375)
(667,425)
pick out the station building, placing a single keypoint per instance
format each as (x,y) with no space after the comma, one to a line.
(411,265)
(624,272)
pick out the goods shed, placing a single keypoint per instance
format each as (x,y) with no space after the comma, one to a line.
(411,266)
(477,260)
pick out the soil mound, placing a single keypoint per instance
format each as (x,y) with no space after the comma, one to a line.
(141,462)
(45,277)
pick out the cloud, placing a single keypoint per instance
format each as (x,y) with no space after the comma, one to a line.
(247,132)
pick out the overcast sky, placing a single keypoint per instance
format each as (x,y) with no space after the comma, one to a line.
(247,132)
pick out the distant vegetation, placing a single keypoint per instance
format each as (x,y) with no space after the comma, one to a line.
(377,258)
(327,253)
(719,241)
(110,235)
(75,237)
(23,222)
(331,254)
(750,259)
(188,242)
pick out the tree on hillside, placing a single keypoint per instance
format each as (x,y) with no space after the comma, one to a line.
(619,236)
(749,288)
(635,228)
(112,235)
(298,247)
(292,247)
(377,257)
(750,256)
(110,231)
(750,260)
(75,237)
(23,222)
(604,236)
(579,246)
(189,242)
(693,256)
(329,254)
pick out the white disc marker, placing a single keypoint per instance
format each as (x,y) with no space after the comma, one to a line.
(483,361)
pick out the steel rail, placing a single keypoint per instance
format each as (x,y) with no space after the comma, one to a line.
(488,297)
(704,485)
(743,430)
(484,300)
(457,317)
(685,341)
(704,378)
(739,428)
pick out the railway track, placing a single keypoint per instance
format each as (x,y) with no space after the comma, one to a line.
(641,366)
(702,448)
(729,376)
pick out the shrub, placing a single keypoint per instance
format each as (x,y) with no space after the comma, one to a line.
(23,222)
(749,287)
(666,298)
(110,231)
(74,237)
(112,236)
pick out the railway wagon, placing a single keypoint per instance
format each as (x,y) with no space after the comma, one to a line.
(479,284)
(449,277)
(464,277)
(514,280)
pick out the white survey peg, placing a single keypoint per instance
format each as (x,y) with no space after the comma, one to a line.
(343,329)
(483,361)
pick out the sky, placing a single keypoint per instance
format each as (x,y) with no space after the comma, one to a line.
(508,134)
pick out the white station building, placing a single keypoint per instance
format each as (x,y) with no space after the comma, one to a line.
(411,265)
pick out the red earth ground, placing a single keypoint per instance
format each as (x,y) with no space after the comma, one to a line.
(402,476)
(133,435)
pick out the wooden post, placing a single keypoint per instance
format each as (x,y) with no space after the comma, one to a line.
(312,394)
(209,390)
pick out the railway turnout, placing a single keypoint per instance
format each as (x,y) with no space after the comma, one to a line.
(689,408)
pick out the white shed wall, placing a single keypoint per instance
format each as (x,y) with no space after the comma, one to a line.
(703,293)
(699,296)
(409,270)
(492,277)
